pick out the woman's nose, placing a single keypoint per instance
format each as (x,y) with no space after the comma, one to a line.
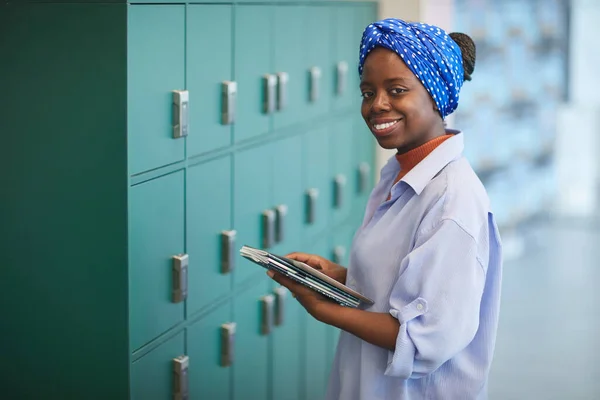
(381,102)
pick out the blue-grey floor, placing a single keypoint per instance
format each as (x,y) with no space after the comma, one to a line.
(548,343)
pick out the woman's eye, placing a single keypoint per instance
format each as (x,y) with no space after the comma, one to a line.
(397,91)
(366,95)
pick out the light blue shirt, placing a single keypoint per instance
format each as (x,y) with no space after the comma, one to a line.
(431,257)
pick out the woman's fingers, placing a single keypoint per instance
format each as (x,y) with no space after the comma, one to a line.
(313,260)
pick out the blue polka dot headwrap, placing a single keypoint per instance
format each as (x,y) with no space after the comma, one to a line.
(428,52)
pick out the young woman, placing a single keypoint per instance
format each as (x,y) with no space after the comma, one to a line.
(428,252)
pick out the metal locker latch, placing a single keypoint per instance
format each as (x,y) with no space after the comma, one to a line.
(315,77)
(280,212)
(342,73)
(269,93)
(227,251)
(282,80)
(268,228)
(180,378)
(280,295)
(228,100)
(364,169)
(180,277)
(338,190)
(227,344)
(311,205)
(267,303)
(180,113)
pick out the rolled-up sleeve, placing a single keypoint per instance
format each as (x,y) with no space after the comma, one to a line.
(436,299)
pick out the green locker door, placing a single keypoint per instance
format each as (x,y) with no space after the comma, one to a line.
(317,341)
(364,156)
(208,65)
(253,48)
(156,235)
(211,349)
(340,254)
(344,173)
(291,64)
(252,198)
(346,51)
(318,34)
(287,191)
(152,375)
(209,230)
(287,336)
(156,55)
(251,367)
(318,187)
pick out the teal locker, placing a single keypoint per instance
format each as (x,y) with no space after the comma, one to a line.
(205,80)
(340,254)
(210,238)
(156,54)
(152,374)
(321,72)
(346,45)
(156,215)
(253,314)
(254,215)
(211,349)
(253,49)
(317,341)
(343,168)
(364,157)
(291,67)
(287,341)
(287,193)
(317,188)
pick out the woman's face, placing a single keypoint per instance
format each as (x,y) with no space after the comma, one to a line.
(396,106)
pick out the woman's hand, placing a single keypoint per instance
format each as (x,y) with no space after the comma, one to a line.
(325,266)
(312,301)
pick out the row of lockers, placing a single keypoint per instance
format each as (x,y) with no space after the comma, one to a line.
(259,344)
(297,65)
(276,196)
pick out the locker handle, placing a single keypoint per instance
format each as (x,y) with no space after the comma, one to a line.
(228,100)
(180,113)
(311,205)
(227,343)
(338,190)
(280,295)
(268,228)
(267,302)
(180,378)
(227,251)
(315,77)
(269,93)
(180,277)
(342,72)
(364,169)
(280,212)
(339,252)
(282,95)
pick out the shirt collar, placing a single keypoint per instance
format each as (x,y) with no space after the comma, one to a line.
(422,173)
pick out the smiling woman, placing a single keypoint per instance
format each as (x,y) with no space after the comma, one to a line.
(428,251)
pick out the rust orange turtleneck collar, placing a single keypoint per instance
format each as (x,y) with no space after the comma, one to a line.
(411,158)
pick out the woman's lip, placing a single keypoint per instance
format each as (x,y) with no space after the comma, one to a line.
(386,131)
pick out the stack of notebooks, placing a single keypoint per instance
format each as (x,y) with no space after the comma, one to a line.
(306,275)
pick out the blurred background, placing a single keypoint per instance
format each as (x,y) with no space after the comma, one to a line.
(144,142)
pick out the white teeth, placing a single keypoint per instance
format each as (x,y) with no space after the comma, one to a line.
(384,126)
